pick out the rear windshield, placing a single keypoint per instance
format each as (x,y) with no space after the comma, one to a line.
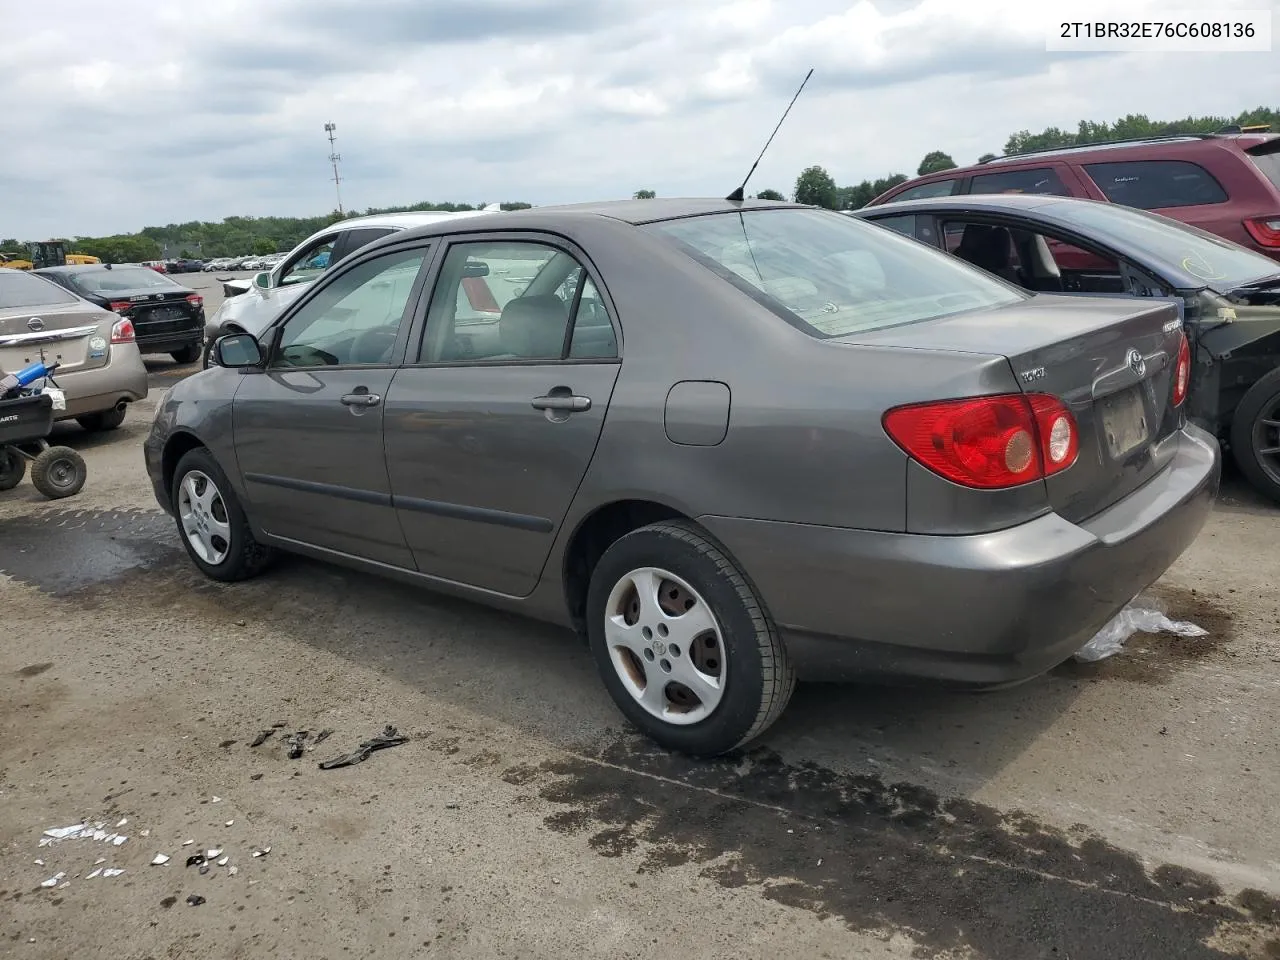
(831,275)
(18,289)
(1220,264)
(1269,164)
(119,280)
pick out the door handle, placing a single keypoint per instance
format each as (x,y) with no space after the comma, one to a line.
(570,404)
(361,399)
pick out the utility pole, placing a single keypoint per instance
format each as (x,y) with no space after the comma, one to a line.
(334,157)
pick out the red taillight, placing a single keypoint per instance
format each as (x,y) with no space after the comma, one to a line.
(1265,231)
(988,442)
(1182,372)
(122,332)
(195,300)
(120,306)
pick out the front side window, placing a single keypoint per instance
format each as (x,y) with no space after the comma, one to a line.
(1041,180)
(832,275)
(1155,184)
(309,264)
(354,320)
(514,300)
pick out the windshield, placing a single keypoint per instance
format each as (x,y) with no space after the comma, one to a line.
(119,280)
(1220,264)
(18,289)
(832,275)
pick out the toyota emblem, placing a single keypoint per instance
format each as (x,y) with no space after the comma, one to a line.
(35,324)
(1136,363)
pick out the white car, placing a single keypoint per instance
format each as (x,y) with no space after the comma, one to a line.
(252,304)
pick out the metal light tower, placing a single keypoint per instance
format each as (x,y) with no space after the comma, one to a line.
(334,157)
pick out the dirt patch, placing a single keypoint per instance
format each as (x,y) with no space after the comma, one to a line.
(34,670)
(1155,658)
(954,874)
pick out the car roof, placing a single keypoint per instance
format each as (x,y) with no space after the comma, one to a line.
(90,267)
(634,212)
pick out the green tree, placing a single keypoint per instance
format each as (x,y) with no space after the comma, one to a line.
(769,195)
(517,205)
(859,195)
(644,195)
(1135,125)
(986,157)
(264,246)
(815,186)
(934,161)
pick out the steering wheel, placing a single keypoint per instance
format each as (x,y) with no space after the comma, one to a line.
(374,346)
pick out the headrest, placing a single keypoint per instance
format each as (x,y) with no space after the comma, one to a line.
(534,326)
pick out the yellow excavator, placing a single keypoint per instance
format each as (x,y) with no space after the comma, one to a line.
(49,253)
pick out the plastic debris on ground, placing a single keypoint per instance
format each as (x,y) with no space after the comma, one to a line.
(54,880)
(160,860)
(261,851)
(94,874)
(390,737)
(112,872)
(1134,618)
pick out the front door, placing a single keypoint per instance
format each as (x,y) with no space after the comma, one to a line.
(308,430)
(489,434)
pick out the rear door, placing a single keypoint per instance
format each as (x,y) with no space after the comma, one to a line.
(40,321)
(490,431)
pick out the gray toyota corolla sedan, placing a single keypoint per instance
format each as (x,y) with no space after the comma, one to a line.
(734,444)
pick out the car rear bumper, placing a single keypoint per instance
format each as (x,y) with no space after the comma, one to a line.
(983,610)
(122,380)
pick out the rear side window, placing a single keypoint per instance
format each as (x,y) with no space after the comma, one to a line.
(938,188)
(1039,180)
(19,289)
(353,240)
(1154,184)
(1269,164)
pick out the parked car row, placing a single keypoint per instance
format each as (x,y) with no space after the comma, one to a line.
(732,443)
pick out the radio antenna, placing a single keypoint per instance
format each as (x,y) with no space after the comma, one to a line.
(737,195)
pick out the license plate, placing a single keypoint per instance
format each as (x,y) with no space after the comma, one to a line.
(1124,422)
(166,313)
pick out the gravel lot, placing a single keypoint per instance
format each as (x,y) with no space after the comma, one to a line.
(1118,810)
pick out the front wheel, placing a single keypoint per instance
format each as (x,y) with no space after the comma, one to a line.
(1255,435)
(211,522)
(58,472)
(683,643)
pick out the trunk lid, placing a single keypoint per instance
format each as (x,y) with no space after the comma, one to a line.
(76,334)
(1110,360)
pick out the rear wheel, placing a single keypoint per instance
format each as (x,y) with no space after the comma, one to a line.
(13,467)
(188,354)
(58,472)
(211,522)
(102,420)
(683,643)
(1255,435)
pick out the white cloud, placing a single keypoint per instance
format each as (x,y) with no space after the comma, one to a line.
(130,113)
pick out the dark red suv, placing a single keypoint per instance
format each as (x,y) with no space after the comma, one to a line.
(1226,183)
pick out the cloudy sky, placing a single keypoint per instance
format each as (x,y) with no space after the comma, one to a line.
(122,114)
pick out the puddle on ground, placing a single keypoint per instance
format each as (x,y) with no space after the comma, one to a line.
(958,877)
(1155,658)
(61,552)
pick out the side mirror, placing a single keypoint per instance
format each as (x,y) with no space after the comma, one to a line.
(263,280)
(475,268)
(238,351)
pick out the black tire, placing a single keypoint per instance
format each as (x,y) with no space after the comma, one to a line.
(245,557)
(103,420)
(758,680)
(58,472)
(188,354)
(13,467)
(1249,435)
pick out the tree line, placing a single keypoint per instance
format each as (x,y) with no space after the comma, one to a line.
(237,236)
